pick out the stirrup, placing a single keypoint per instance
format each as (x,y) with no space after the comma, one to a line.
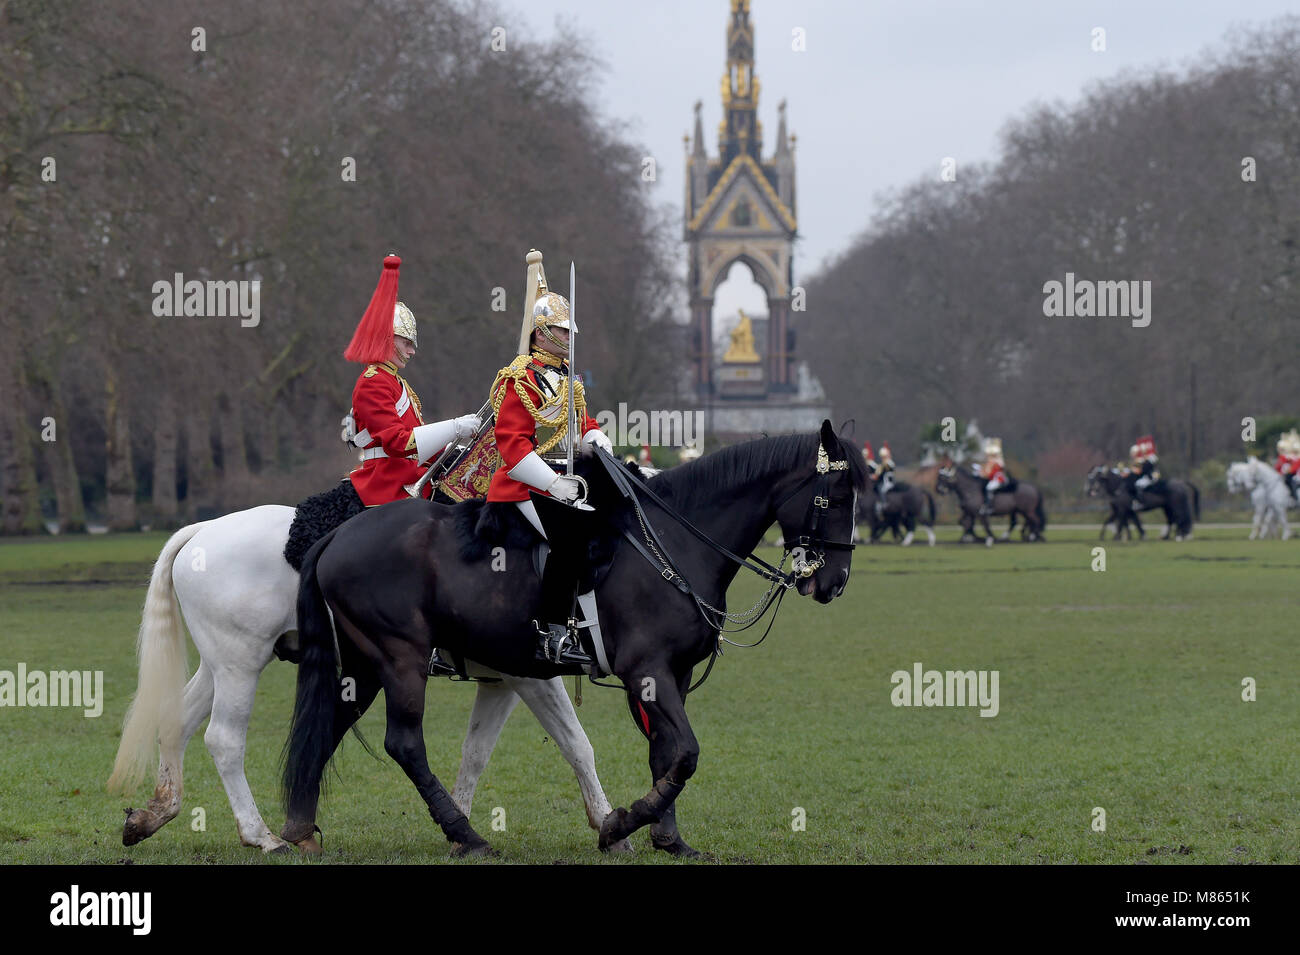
(440,667)
(560,647)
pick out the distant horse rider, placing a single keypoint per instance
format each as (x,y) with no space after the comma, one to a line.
(876,472)
(530,397)
(1288,459)
(1145,476)
(994,472)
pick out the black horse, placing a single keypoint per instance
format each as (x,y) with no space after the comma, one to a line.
(1180,502)
(1108,481)
(1025,500)
(398,579)
(906,505)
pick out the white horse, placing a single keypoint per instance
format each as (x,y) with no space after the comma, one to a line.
(1268,492)
(238,595)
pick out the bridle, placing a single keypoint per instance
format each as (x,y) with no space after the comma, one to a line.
(815,518)
(652,548)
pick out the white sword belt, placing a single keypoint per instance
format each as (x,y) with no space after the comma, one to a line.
(370,454)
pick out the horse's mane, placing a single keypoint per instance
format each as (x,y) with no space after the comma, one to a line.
(738,464)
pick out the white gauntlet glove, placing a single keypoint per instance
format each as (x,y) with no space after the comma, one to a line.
(467,426)
(598,439)
(565,488)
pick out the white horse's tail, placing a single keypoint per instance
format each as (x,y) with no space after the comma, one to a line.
(155,713)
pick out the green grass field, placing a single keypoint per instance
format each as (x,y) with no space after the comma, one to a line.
(1120,690)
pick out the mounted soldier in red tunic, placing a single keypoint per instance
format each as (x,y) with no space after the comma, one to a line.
(531,398)
(1145,476)
(386,422)
(386,415)
(995,474)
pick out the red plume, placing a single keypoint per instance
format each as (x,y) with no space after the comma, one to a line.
(373,340)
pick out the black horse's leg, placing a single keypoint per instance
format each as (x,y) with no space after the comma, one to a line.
(357,697)
(664,834)
(659,708)
(404,685)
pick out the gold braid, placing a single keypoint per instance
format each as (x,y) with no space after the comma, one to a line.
(517,371)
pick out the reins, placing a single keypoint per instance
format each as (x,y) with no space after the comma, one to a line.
(656,553)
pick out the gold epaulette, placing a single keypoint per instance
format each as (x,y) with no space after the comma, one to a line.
(517,371)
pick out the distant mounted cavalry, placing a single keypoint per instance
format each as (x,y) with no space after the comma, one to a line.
(906,506)
(987,490)
(1268,494)
(1140,487)
(893,505)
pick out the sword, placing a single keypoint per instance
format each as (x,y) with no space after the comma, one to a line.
(581,501)
(573,331)
(436,467)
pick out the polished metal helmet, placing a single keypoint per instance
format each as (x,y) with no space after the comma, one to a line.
(404,322)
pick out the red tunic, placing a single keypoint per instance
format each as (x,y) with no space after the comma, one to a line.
(993,471)
(385,406)
(516,434)
(1287,464)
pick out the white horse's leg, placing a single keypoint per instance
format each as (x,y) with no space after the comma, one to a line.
(551,705)
(165,804)
(907,541)
(930,531)
(237,601)
(232,705)
(171,765)
(493,704)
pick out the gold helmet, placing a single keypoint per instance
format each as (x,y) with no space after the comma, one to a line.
(404,322)
(993,448)
(1289,443)
(543,309)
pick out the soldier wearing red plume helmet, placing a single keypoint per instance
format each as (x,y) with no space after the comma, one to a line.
(1145,476)
(386,421)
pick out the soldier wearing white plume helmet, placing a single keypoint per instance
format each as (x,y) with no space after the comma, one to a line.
(530,398)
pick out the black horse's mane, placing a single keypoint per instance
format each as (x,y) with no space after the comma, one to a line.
(480,526)
(697,481)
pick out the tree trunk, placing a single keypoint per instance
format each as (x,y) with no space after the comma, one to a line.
(57,446)
(200,472)
(166,513)
(235,477)
(22,509)
(119,477)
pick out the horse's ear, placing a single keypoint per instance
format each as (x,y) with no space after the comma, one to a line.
(849,427)
(828,436)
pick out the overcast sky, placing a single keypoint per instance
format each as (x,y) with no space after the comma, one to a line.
(883,91)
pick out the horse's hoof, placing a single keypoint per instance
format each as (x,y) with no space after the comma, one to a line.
(136,828)
(620,848)
(613,829)
(281,849)
(988,542)
(472,850)
(678,848)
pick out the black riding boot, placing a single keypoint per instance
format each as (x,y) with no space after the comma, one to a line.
(987,509)
(557,641)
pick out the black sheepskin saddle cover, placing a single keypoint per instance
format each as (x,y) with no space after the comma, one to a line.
(317,516)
